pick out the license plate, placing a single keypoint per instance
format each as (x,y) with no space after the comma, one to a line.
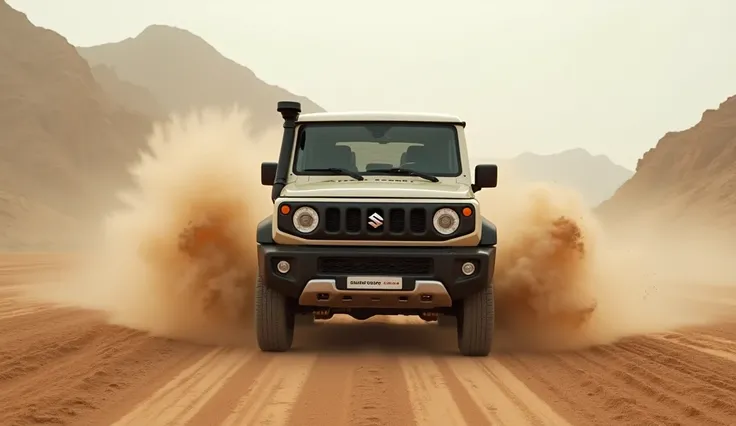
(375,283)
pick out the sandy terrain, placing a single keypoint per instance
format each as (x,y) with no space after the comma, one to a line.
(67,366)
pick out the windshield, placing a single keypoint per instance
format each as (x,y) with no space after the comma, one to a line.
(361,147)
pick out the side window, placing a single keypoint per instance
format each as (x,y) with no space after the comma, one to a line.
(300,153)
(452,157)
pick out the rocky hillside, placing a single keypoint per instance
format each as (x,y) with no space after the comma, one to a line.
(182,71)
(68,130)
(63,141)
(690,174)
(127,94)
(596,177)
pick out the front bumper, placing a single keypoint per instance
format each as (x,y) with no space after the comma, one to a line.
(319,270)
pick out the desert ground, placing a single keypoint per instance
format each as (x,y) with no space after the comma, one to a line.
(67,366)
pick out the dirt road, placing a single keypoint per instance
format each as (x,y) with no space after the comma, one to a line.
(62,366)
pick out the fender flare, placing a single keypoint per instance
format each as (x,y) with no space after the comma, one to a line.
(489,233)
(264,231)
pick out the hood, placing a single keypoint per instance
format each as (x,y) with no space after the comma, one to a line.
(377,188)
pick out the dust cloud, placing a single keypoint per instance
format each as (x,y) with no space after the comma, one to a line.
(179,260)
(563,283)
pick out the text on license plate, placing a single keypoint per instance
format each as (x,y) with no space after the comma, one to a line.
(375,283)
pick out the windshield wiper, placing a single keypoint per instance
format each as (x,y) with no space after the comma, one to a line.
(404,171)
(338,171)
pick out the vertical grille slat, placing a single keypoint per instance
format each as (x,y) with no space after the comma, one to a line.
(418,220)
(352,220)
(397,221)
(332,220)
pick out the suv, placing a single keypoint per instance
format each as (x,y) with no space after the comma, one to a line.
(374,214)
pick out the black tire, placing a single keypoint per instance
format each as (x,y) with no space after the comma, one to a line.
(475,323)
(274,319)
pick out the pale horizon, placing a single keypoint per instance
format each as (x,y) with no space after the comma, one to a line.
(609,78)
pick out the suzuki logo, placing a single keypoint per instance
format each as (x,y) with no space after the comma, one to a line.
(375,220)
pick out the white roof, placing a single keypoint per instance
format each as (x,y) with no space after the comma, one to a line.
(378,116)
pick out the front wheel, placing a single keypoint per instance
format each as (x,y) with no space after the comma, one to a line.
(274,318)
(475,323)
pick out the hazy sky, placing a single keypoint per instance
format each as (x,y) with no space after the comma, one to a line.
(538,75)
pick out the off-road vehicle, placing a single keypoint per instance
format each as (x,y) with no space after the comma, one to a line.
(374,214)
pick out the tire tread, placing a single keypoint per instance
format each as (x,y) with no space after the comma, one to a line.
(273,320)
(475,330)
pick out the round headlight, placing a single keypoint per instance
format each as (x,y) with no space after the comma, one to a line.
(305,219)
(446,221)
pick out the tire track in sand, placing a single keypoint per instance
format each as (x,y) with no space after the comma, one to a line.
(181,398)
(437,398)
(505,399)
(64,366)
(473,391)
(638,381)
(227,386)
(269,399)
(465,391)
(710,345)
(354,389)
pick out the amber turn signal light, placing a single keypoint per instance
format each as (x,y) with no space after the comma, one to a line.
(285,209)
(467,212)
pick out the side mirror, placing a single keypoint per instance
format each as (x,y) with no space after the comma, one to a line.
(486,176)
(268,173)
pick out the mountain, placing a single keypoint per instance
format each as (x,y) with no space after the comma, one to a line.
(689,175)
(128,95)
(596,177)
(70,125)
(182,71)
(63,141)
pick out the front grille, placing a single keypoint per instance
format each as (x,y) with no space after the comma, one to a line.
(392,221)
(375,265)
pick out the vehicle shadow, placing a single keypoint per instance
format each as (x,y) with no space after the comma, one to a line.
(375,337)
